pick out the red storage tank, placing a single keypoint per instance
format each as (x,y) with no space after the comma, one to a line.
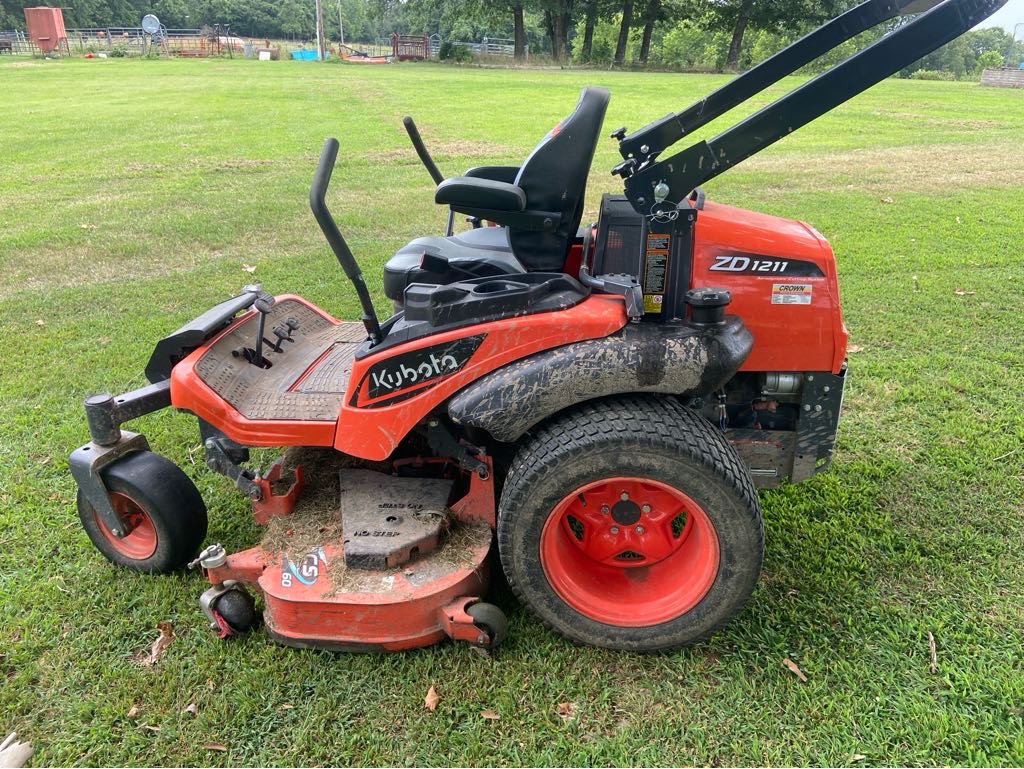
(46,27)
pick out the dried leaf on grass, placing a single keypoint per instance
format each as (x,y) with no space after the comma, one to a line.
(133,712)
(431,700)
(87,226)
(888,201)
(853,348)
(964,292)
(794,669)
(857,757)
(218,746)
(192,708)
(566,710)
(40,322)
(149,728)
(490,715)
(159,647)
(933,654)
(250,268)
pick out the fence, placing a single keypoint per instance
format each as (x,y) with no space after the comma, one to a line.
(1003,78)
(14,42)
(133,41)
(489,46)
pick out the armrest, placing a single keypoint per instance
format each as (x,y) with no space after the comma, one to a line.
(505,174)
(466,192)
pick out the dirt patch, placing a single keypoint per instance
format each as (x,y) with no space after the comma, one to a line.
(940,122)
(456,148)
(901,169)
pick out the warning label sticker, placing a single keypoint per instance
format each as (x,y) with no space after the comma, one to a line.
(655,277)
(652,304)
(792,293)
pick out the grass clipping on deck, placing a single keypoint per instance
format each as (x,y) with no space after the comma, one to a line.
(316,519)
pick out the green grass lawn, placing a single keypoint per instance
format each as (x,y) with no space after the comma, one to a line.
(135,194)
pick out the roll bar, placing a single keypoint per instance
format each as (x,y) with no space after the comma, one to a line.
(317,203)
(653,185)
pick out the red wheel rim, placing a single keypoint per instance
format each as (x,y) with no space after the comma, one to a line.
(630,552)
(141,540)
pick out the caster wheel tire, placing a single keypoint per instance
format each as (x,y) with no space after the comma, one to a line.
(160,508)
(237,608)
(491,620)
(631,524)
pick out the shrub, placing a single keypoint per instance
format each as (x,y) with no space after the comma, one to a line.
(932,74)
(454,52)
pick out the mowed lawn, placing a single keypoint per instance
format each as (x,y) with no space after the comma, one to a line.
(136,194)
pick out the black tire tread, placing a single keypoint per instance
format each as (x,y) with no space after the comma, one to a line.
(658,421)
(171,500)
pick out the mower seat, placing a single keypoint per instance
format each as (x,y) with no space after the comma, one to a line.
(538,207)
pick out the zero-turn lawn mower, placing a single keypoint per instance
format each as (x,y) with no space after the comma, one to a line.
(602,401)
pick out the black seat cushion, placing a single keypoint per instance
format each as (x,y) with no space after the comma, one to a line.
(552,180)
(477,253)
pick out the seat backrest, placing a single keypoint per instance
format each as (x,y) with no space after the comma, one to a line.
(554,178)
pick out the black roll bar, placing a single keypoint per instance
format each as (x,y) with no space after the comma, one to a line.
(317,193)
(664,183)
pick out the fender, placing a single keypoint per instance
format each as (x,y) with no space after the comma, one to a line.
(684,360)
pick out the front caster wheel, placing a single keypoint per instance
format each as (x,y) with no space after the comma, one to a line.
(631,524)
(229,608)
(160,508)
(492,621)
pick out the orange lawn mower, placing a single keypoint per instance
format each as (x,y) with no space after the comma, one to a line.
(595,405)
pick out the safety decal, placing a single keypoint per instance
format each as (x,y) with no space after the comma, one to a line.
(792,293)
(656,263)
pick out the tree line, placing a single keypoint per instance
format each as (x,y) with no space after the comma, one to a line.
(684,34)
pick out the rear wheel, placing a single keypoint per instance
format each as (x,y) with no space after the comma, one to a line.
(631,523)
(160,509)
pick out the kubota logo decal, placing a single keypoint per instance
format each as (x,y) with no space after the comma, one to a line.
(420,367)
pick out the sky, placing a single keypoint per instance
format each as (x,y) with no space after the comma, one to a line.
(1008,17)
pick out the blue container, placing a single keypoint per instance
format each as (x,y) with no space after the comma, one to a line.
(307,55)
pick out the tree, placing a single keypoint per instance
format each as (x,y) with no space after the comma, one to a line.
(627,21)
(650,17)
(558,22)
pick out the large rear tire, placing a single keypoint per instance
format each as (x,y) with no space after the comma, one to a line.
(160,508)
(631,523)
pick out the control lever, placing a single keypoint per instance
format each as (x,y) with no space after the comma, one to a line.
(429,164)
(283,333)
(264,304)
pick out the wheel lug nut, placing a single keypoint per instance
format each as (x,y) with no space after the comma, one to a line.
(604,509)
(639,529)
(646,508)
(615,529)
(624,496)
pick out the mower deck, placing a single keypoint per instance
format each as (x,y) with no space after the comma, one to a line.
(365,561)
